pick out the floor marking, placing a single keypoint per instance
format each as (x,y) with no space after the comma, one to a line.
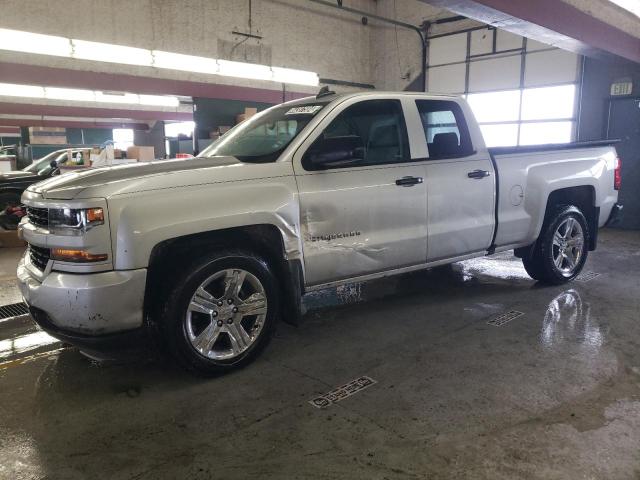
(586,276)
(504,318)
(342,392)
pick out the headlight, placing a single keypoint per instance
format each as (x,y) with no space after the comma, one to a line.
(74,221)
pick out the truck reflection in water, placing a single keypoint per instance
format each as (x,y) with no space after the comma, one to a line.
(568,320)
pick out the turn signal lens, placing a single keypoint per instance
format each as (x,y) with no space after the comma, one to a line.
(80,256)
(95,215)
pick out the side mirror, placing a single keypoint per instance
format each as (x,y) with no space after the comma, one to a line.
(335,152)
(53,164)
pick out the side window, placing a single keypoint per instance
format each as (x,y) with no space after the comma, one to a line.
(445,129)
(371,132)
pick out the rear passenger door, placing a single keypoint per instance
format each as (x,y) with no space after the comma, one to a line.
(460,184)
(366,212)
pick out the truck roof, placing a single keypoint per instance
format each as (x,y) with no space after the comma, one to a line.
(331,97)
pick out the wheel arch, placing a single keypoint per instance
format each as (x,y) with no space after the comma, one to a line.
(584,198)
(263,239)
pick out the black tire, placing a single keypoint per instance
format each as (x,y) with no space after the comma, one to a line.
(9,199)
(173,317)
(539,263)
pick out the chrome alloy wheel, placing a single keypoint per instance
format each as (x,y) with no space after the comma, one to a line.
(226,314)
(568,246)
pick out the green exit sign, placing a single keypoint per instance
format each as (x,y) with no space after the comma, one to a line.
(621,88)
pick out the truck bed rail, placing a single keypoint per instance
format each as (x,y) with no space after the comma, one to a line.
(552,146)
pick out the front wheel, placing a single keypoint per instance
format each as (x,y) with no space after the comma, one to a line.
(221,313)
(562,248)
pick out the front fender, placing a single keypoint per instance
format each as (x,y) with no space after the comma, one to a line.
(142,220)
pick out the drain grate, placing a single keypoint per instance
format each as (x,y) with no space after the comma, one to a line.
(13,310)
(586,276)
(504,318)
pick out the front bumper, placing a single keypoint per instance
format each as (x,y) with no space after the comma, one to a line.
(85,305)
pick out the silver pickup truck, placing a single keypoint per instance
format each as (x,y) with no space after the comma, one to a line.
(207,253)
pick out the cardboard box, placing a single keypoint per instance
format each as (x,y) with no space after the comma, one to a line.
(248,113)
(9,238)
(47,135)
(142,154)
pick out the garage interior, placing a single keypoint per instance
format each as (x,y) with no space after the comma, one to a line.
(552,393)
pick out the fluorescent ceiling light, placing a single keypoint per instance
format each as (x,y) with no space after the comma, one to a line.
(116,97)
(107,52)
(244,70)
(299,77)
(632,6)
(72,94)
(158,100)
(79,95)
(12,90)
(187,63)
(18,41)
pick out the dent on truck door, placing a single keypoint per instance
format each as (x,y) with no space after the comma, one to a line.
(460,184)
(364,214)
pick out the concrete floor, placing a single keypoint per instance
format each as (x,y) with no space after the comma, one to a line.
(553,394)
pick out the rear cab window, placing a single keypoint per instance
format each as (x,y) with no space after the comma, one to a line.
(445,129)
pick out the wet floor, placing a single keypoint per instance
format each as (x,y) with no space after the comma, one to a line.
(552,393)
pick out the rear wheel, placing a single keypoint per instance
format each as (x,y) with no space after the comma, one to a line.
(221,313)
(562,248)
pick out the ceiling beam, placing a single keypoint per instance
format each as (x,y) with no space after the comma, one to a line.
(550,21)
(12,130)
(68,78)
(26,122)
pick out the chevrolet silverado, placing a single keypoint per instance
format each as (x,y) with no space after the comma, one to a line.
(207,253)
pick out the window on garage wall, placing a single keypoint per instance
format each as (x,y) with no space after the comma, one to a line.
(530,116)
(521,92)
(122,138)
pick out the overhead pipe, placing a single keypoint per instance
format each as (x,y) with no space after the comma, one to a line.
(418,30)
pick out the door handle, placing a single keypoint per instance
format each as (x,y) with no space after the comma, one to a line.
(408,181)
(478,174)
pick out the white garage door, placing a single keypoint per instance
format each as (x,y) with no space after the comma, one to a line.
(522,92)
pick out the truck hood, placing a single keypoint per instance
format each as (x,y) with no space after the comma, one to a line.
(105,182)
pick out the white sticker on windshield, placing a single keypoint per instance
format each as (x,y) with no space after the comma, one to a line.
(307,110)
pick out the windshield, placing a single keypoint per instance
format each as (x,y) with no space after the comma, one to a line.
(43,163)
(264,137)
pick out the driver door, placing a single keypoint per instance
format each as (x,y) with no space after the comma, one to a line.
(365,214)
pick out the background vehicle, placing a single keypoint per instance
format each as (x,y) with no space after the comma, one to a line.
(13,183)
(210,252)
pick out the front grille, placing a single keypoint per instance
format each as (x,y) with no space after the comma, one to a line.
(38,216)
(39,256)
